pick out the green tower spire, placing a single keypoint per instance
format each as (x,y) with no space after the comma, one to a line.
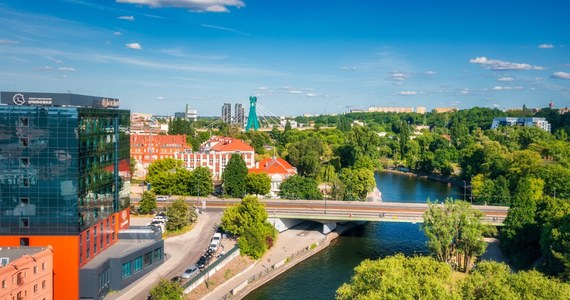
(252,117)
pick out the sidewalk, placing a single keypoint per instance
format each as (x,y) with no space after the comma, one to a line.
(288,243)
(177,249)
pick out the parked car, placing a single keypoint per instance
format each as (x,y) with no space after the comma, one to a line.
(202,262)
(160,219)
(215,242)
(190,272)
(162,198)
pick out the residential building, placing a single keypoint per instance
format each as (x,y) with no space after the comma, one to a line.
(147,148)
(391,109)
(441,110)
(421,110)
(65,181)
(26,273)
(239,114)
(514,121)
(227,113)
(215,153)
(277,169)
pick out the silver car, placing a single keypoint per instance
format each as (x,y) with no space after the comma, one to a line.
(190,272)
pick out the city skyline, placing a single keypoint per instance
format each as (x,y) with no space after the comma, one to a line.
(295,57)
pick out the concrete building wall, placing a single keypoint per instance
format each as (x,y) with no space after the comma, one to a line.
(29,276)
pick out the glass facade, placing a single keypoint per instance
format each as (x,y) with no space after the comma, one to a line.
(62,169)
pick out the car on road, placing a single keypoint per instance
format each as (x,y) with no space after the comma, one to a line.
(161,219)
(190,272)
(162,198)
(202,262)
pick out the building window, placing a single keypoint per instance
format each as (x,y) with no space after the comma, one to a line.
(24,141)
(157,254)
(24,201)
(94,239)
(24,241)
(4,284)
(19,279)
(127,269)
(35,269)
(24,122)
(35,288)
(19,296)
(43,284)
(24,223)
(25,182)
(43,266)
(138,263)
(147,259)
(24,162)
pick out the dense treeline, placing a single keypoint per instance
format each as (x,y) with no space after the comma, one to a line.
(400,277)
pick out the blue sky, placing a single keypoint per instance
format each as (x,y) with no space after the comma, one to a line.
(297,57)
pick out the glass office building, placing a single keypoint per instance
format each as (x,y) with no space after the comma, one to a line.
(64,178)
(59,168)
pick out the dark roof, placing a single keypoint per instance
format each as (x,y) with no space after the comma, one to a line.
(14,253)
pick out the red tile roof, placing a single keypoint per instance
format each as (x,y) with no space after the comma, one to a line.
(159,139)
(226,144)
(274,165)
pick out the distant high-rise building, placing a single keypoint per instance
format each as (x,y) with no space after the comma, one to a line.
(391,109)
(421,110)
(551,105)
(227,113)
(441,110)
(239,114)
(189,114)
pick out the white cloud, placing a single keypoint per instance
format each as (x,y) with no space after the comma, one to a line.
(310,94)
(506,79)
(5,42)
(348,68)
(135,46)
(117,33)
(399,76)
(44,68)
(507,88)
(561,75)
(159,98)
(67,69)
(500,65)
(430,73)
(545,46)
(224,29)
(127,18)
(464,91)
(407,93)
(295,92)
(192,5)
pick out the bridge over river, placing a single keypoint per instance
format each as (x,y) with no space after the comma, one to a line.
(287,213)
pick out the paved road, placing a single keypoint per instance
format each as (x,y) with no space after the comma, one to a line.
(181,251)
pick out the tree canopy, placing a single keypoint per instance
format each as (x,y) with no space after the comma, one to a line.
(257,183)
(234,176)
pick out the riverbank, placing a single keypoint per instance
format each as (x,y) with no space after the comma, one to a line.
(435,177)
(293,246)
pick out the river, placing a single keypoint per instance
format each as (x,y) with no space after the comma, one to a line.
(320,276)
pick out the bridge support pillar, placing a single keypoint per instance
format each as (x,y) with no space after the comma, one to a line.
(284,224)
(328,227)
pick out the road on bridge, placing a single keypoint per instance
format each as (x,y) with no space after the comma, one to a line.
(347,210)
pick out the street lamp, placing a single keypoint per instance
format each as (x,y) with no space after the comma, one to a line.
(464,189)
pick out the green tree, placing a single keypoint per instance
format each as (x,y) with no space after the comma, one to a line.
(555,237)
(201,182)
(357,182)
(163,165)
(147,203)
(399,277)
(234,176)
(179,215)
(248,220)
(455,232)
(166,290)
(257,183)
(299,187)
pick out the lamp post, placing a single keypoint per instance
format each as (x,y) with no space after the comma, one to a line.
(464,190)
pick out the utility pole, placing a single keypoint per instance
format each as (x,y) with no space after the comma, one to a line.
(464,190)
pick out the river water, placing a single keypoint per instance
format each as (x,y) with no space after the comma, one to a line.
(320,276)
